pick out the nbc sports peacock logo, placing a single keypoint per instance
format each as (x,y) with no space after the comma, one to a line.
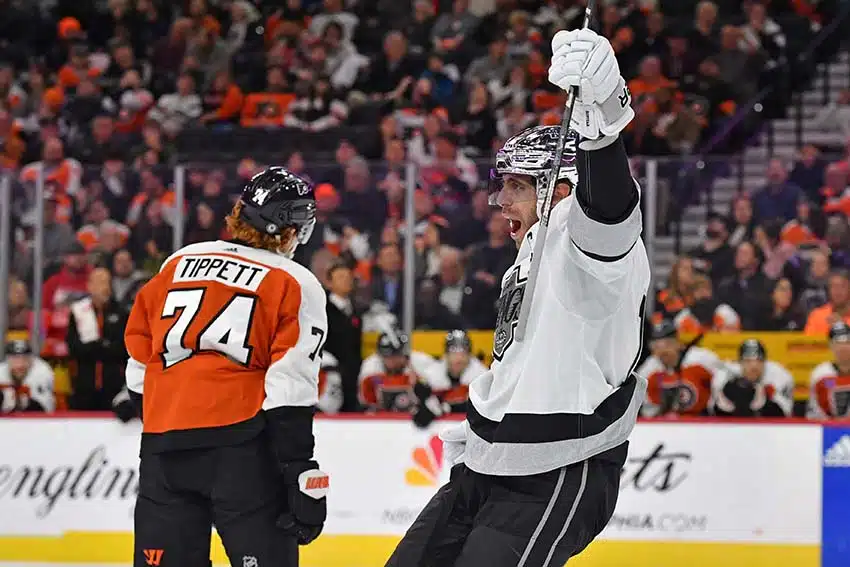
(427,464)
(839,454)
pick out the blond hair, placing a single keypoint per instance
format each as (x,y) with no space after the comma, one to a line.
(244,232)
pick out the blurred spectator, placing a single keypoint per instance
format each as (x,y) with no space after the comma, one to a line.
(703,39)
(126,279)
(205,225)
(362,205)
(418,29)
(345,330)
(96,344)
(222,102)
(739,65)
(816,282)
(12,145)
(168,52)
(808,173)
(335,12)
(387,278)
(777,199)
(206,54)
(101,233)
(677,295)
(710,94)
(705,313)
(152,239)
(342,61)
(748,290)
(473,227)
(123,60)
(837,309)
(176,110)
(452,30)
(245,32)
(477,122)
(449,174)
(522,37)
(762,34)
(836,114)
(678,62)
(430,313)
(495,66)
(26,381)
(714,256)
(318,109)
(70,282)
(785,315)
(836,179)
(393,72)
(20,315)
(741,220)
(58,237)
(488,262)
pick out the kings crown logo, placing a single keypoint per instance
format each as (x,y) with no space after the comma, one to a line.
(508,314)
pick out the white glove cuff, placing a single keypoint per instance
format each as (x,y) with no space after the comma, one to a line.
(616,110)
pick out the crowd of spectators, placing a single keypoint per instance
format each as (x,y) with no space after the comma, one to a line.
(95,97)
(778,260)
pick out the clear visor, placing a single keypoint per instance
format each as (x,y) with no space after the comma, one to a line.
(306,230)
(509,188)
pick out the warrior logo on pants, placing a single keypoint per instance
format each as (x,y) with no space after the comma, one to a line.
(506,321)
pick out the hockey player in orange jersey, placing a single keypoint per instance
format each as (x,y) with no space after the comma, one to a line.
(225,345)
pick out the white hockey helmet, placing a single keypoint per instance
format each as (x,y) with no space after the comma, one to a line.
(530,153)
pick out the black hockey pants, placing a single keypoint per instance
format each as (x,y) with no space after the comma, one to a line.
(542,520)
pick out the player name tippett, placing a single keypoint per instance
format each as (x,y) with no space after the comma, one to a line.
(223,269)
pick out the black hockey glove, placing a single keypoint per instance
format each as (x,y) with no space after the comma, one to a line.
(306,496)
(428,405)
(741,393)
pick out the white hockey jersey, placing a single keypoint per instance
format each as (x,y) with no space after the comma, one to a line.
(777,383)
(567,392)
(442,381)
(36,385)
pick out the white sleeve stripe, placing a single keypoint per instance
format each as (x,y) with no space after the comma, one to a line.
(600,240)
(293,389)
(135,376)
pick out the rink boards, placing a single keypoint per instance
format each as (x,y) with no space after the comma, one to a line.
(693,493)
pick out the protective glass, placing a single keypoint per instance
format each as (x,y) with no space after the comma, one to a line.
(507,189)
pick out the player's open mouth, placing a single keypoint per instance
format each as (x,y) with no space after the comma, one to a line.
(516,226)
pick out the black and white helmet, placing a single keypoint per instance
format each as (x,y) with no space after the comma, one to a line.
(530,153)
(276,199)
(393,342)
(458,340)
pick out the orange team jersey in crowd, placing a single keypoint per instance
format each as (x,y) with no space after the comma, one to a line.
(829,395)
(167,200)
(796,233)
(66,174)
(724,319)
(820,319)
(90,235)
(691,382)
(265,109)
(221,333)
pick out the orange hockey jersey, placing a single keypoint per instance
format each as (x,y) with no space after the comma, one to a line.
(223,332)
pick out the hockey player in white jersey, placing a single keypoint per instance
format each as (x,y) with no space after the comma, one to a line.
(387,378)
(754,386)
(26,381)
(448,388)
(537,463)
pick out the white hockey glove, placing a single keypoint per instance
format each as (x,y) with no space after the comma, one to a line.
(454,443)
(584,59)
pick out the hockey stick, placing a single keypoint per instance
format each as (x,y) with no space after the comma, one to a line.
(534,269)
